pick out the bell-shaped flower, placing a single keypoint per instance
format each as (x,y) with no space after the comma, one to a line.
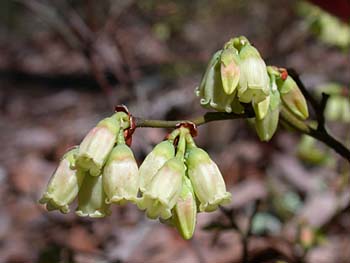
(91,198)
(229,69)
(208,183)
(292,98)
(163,191)
(154,161)
(254,81)
(120,176)
(211,90)
(266,128)
(97,144)
(185,211)
(64,184)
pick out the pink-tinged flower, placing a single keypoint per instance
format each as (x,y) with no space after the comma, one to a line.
(185,211)
(230,71)
(120,176)
(96,146)
(154,161)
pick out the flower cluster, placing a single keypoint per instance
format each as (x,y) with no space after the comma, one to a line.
(175,181)
(101,171)
(237,75)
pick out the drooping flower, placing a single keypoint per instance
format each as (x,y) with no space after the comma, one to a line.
(91,198)
(267,126)
(211,90)
(97,144)
(154,161)
(120,175)
(208,183)
(254,81)
(162,193)
(64,184)
(160,197)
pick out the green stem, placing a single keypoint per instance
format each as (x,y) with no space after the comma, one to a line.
(319,134)
(181,147)
(190,142)
(120,138)
(173,135)
(299,125)
(200,120)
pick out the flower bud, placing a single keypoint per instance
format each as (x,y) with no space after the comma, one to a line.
(293,99)
(164,190)
(254,81)
(229,70)
(266,128)
(185,211)
(154,161)
(96,146)
(120,176)
(211,90)
(64,184)
(91,198)
(208,183)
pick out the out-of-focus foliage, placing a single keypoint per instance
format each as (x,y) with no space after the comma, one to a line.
(337,110)
(328,28)
(265,223)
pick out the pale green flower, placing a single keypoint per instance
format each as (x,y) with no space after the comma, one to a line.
(208,183)
(154,161)
(185,211)
(162,193)
(91,198)
(97,144)
(120,176)
(64,184)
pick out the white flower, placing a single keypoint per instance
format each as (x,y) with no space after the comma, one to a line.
(120,176)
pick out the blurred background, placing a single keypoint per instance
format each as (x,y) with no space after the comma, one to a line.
(64,64)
